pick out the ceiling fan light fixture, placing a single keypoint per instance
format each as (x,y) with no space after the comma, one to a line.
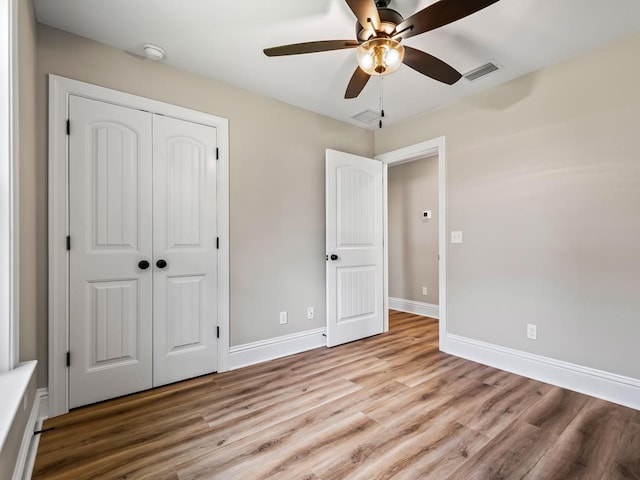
(380,56)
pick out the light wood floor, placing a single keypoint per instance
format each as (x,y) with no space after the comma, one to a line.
(391,406)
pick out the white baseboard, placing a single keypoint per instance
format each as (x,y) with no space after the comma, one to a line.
(590,381)
(264,350)
(29,446)
(417,308)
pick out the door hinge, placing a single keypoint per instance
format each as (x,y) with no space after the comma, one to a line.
(217,153)
(68,242)
(68,127)
(68,359)
(217,332)
(217,243)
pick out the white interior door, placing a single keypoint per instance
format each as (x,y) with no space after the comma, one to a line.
(110,230)
(184,238)
(354,231)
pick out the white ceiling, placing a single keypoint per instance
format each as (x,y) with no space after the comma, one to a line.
(224,40)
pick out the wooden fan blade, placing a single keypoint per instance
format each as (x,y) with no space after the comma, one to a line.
(366,12)
(439,14)
(358,80)
(310,47)
(430,66)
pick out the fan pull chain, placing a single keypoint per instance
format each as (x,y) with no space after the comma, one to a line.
(381,104)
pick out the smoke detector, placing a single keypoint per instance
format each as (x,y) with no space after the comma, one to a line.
(153,52)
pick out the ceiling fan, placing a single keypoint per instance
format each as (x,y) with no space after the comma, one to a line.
(379,33)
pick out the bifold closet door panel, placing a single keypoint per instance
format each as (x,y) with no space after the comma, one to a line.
(185,254)
(110,215)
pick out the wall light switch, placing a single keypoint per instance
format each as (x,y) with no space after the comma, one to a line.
(456,237)
(283,318)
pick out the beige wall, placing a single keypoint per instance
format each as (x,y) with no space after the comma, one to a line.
(543,178)
(32,220)
(413,241)
(276,184)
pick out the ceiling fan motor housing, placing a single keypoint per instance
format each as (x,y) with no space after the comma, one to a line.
(389,18)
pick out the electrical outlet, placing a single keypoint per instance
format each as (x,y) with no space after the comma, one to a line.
(532,331)
(283,318)
(424,291)
(456,237)
(310,313)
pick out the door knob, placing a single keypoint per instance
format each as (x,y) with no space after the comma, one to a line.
(161,263)
(143,264)
(334,257)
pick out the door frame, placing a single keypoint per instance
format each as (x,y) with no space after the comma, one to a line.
(434,147)
(59,90)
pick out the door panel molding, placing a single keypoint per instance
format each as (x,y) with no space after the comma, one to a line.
(60,89)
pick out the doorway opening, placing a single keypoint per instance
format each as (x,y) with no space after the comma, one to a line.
(412,191)
(434,149)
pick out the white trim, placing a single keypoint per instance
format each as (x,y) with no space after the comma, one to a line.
(385,242)
(596,383)
(264,350)
(59,90)
(417,308)
(13,385)
(437,146)
(41,402)
(30,442)
(9,221)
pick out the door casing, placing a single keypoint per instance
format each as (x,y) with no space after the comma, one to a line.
(59,90)
(432,147)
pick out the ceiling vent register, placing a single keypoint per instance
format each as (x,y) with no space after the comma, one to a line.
(482,71)
(368,116)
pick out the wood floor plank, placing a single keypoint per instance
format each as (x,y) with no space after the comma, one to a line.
(556,410)
(587,447)
(262,457)
(512,454)
(626,463)
(390,406)
(504,406)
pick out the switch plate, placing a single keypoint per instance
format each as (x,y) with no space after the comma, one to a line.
(456,237)
(424,291)
(426,214)
(532,331)
(283,318)
(310,313)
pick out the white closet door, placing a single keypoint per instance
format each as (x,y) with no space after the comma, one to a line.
(184,238)
(110,216)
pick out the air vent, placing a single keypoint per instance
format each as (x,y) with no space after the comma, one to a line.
(368,116)
(485,69)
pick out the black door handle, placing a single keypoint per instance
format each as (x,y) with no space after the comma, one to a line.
(334,257)
(143,264)
(161,263)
